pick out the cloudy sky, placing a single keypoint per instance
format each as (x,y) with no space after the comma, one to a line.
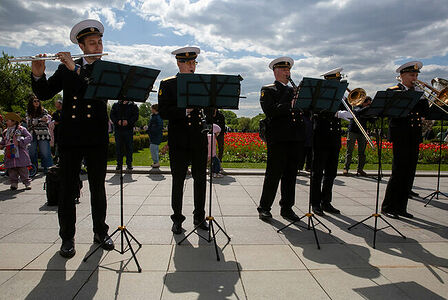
(369,39)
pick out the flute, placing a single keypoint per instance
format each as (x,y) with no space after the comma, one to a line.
(50,57)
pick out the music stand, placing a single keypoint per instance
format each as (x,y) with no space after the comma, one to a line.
(208,92)
(120,82)
(392,104)
(437,114)
(318,96)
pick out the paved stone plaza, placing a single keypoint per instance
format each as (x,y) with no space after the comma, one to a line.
(258,263)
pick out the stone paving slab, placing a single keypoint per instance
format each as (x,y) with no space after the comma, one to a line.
(258,263)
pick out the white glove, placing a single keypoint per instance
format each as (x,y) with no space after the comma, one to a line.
(343,114)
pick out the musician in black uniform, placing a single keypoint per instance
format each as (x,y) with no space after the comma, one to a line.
(82,133)
(285,135)
(355,135)
(187,142)
(406,135)
(326,146)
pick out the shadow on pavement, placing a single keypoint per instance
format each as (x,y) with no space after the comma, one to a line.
(345,259)
(393,244)
(211,279)
(54,283)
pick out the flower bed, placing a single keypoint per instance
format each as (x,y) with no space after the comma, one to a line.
(248,147)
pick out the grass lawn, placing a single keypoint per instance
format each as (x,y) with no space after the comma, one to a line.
(143,158)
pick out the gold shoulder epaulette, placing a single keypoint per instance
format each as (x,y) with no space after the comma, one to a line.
(168,78)
(394,87)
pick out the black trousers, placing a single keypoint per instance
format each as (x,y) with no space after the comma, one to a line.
(124,141)
(325,167)
(306,158)
(70,163)
(180,158)
(404,163)
(283,159)
(220,142)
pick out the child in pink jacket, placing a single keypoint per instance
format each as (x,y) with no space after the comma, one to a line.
(15,141)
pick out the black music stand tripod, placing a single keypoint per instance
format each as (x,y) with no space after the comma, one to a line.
(319,96)
(208,92)
(122,82)
(437,114)
(393,104)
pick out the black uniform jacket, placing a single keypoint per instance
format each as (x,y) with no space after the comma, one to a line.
(284,123)
(410,125)
(184,131)
(327,130)
(84,122)
(121,111)
(358,111)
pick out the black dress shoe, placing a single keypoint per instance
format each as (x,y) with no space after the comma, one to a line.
(202,225)
(317,210)
(107,243)
(330,208)
(406,215)
(290,215)
(177,228)
(413,194)
(68,248)
(391,215)
(264,214)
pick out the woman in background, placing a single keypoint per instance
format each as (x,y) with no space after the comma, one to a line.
(37,121)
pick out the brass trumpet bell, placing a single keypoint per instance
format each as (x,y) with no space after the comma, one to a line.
(357,96)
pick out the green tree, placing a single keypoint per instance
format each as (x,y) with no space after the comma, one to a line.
(15,85)
(145,110)
(231,118)
(243,124)
(255,122)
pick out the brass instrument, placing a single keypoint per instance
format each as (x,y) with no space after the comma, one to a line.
(50,57)
(357,95)
(435,97)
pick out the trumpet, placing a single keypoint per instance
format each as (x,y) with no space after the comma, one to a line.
(50,57)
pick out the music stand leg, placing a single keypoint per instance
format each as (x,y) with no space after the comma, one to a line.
(309,214)
(376,215)
(211,220)
(437,191)
(124,232)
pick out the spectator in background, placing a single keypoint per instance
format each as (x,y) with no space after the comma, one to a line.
(37,122)
(218,118)
(15,141)
(355,135)
(56,120)
(124,115)
(155,129)
(214,160)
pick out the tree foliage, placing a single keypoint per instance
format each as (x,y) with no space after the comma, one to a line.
(15,85)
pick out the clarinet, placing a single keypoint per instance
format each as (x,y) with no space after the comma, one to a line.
(296,89)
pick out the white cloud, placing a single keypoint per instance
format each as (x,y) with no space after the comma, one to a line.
(367,38)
